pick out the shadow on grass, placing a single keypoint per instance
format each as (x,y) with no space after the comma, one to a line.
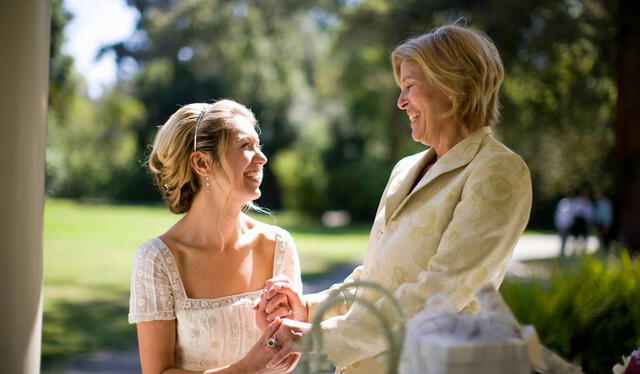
(71,328)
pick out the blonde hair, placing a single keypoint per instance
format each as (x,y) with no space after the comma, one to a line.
(464,64)
(169,161)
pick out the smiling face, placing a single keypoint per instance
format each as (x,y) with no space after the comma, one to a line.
(424,103)
(244,161)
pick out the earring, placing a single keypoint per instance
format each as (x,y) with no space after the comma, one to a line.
(207,185)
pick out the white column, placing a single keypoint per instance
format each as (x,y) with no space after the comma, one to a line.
(24,74)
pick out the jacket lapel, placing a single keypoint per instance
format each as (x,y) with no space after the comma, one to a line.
(402,181)
(458,156)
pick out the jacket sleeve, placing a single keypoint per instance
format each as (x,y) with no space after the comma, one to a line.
(315,299)
(475,248)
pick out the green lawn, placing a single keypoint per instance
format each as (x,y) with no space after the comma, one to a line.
(88,251)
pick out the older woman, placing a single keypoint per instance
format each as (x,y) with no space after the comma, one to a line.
(450,216)
(193,287)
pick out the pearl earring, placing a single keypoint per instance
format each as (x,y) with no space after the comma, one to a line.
(207,185)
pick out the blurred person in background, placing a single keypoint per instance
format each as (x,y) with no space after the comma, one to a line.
(582,209)
(449,217)
(603,219)
(563,220)
(193,287)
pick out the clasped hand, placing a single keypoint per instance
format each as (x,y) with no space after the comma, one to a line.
(280,301)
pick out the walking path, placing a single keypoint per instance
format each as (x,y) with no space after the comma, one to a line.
(529,247)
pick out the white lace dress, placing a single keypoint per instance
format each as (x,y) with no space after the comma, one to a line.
(210,332)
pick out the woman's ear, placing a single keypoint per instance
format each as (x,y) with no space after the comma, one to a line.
(201,162)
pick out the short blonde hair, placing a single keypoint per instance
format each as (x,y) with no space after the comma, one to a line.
(169,161)
(464,64)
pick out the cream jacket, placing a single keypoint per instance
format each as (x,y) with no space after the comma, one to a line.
(452,234)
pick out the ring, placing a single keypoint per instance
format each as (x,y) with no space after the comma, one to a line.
(272,342)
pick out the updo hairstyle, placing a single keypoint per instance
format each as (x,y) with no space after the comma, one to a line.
(169,161)
(464,64)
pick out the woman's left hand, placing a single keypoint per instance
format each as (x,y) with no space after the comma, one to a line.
(288,336)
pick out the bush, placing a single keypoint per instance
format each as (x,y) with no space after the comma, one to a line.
(303,181)
(588,311)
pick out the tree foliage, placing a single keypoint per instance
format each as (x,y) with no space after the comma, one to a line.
(558,93)
(318,76)
(62,84)
(90,144)
(262,54)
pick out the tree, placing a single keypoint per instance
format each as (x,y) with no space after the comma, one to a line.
(89,144)
(261,54)
(558,95)
(627,123)
(62,83)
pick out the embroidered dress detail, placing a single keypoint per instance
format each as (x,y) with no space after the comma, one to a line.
(209,332)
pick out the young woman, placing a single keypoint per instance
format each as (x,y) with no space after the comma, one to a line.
(193,287)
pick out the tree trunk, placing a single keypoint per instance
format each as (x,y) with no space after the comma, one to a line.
(627,125)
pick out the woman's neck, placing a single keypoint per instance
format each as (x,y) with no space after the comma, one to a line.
(211,224)
(455,132)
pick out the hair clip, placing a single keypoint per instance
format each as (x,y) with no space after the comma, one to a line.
(195,134)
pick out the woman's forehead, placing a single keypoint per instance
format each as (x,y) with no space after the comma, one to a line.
(243,128)
(410,70)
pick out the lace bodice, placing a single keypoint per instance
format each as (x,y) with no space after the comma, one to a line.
(210,332)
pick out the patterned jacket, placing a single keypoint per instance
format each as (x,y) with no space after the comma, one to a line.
(452,234)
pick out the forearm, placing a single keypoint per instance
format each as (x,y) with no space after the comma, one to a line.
(314,300)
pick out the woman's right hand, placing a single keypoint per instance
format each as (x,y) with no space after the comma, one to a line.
(256,360)
(280,291)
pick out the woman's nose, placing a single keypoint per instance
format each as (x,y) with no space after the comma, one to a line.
(402,101)
(260,158)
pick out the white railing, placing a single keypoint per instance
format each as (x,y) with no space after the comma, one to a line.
(393,331)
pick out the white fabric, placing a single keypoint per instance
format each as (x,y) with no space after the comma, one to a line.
(210,332)
(441,340)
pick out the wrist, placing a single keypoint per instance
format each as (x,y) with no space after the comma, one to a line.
(239,367)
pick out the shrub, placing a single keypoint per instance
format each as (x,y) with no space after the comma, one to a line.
(587,311)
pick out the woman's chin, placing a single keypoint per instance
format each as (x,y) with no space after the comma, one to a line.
(418,138)
(247,196)
(255,194)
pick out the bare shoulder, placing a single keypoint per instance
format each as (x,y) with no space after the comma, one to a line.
(267,236)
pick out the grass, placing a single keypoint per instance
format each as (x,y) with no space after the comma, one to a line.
(88,252)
